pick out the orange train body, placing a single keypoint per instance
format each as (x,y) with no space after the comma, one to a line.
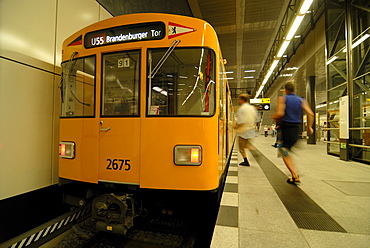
(138,148)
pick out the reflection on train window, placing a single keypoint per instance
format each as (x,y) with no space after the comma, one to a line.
(184,85)
(78,87)
(121,84)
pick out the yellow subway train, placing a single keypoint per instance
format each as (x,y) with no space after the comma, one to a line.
(145,104)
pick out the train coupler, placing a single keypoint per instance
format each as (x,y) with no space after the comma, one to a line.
(113,213)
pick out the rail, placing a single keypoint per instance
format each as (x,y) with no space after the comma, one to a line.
(359,128)
(332,142)
(360,146)
(330,128)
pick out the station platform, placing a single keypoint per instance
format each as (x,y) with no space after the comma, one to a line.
(331,207)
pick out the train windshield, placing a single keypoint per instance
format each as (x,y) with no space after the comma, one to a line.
(78,87)
(184,85)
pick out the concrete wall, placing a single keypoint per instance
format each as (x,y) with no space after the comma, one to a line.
(31,35)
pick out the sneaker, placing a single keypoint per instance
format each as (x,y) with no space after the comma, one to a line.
(245,163)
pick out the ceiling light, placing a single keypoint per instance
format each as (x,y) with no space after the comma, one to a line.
(320,106)
(284,56)
(286,75)
(249,70)
(264,82)
(292,68)
(297,36)
(283,48)
(273,65)
(331,60)
(297,21)
(305,6)
(230,78)
(359,41)
(249,77)
(228,72)
(259,91)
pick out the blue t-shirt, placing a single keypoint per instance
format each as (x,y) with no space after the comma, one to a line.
(293,109)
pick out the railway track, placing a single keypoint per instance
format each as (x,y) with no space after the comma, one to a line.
(153,232)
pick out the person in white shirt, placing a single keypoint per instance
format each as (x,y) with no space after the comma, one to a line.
(273,130)
(266,129)
(246,118)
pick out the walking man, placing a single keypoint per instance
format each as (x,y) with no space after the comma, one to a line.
(246,118)
(289,118)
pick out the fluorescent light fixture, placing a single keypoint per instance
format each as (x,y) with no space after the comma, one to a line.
(305,6)
(297,36)
(359,41)
(292,68)
(228,72)
(297,21)
(273,65)
(160,90)
(266,77)
(286,75)
(284,56)
(283,48)
(259,91)
(264,82)
(331,60)
(320,106)
(249,70)
(183,77)
(249,77)
(230,78)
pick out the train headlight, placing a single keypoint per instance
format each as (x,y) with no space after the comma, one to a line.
(67,149)
(188,155)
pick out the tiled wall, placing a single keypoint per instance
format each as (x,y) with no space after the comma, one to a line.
(31,35)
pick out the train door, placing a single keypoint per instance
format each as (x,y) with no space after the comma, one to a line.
(119,118)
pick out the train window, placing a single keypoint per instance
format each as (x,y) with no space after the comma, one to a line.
(183,84)
(78,87)
(120,90)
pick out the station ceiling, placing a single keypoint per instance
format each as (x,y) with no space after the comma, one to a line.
(246,28)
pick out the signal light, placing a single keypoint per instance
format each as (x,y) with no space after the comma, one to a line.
(67,150)
(62,149)
(194,155)
(188,155)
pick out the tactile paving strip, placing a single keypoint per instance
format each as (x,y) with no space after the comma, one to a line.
(303,210)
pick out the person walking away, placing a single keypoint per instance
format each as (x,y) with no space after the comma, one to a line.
(273,128)
(325,132)
(266,129)
(289,118)
(246,118)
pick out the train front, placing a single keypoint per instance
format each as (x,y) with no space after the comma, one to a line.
(142,106)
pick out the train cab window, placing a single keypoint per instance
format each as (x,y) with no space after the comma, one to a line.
(182,85)
(78,87)
(120,89)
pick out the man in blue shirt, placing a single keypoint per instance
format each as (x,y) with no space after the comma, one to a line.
(289,118)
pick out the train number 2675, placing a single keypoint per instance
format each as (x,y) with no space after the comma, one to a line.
(118,164)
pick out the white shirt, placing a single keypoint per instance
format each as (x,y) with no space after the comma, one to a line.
(247,116)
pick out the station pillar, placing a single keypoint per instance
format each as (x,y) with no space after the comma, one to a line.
(311,99)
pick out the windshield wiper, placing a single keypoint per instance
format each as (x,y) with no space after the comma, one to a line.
(75,97)
(61,85)
(164,58)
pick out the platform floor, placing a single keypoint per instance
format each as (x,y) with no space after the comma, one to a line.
(331,208)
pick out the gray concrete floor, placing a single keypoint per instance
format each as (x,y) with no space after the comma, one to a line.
(340,188)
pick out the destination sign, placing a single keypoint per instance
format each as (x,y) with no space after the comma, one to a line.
(127,33)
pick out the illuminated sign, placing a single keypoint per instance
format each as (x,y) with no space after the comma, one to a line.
(261,103)
(260,100)
(124,34)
